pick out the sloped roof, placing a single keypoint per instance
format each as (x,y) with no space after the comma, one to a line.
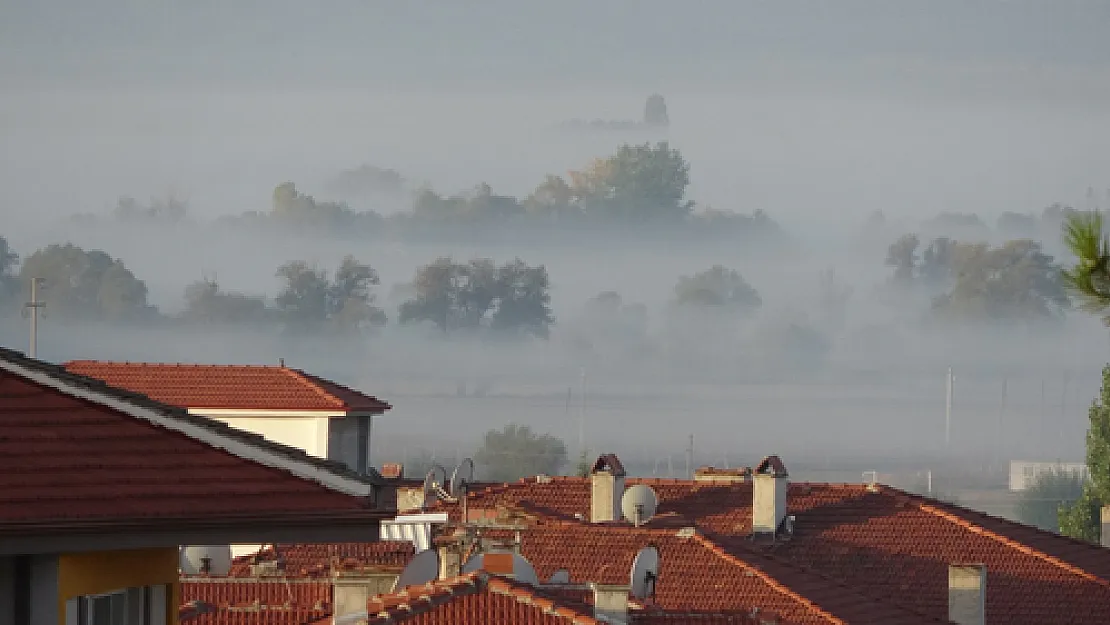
(696,575)
(305,560)
(229,387)
(880,541)
(74,451)
(477,597)
(224,601)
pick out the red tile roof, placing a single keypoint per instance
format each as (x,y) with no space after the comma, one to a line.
(476,598)
(879,541)
(230,387)
(74,451)
(305,560)
(223,601)
(696,575)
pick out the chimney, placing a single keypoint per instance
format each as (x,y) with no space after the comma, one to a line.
(967,594)
(450,550)
(606,489)
(1104,531)
(611,602)
(769,495)
(351,591)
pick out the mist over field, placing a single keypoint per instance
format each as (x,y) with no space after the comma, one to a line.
(817,115)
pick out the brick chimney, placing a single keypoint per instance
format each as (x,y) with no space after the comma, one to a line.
(606,489)
(611,602)
(967,594)
(769,495)
(1104,528)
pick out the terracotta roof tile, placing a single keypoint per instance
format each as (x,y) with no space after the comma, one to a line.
(478,597)
(224,592)
(229,386)
(882,542)
(74,451)
(321,559)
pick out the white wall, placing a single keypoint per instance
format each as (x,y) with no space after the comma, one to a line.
(307,433)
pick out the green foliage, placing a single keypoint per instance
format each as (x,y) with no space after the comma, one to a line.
(295,210)
(9,281)
(310,301)
(1089,278)
(469,296)
(902,255)
(1014,282)
(87,285)
(1040,504)
(205,303)
(717,287)
(516,451)
(638,184)
(1081,520)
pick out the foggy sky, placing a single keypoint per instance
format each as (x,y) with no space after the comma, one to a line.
(816,112)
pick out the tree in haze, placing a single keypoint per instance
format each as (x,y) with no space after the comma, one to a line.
(1039,504)
(638,184)
(553,200)
(516,451)
(902,256)
(171,209)
(87,285)
(9,281)
(310,301)
(1081,519)
(292,208)
(717,288)
(478,294)
(1013,282)
(206,303)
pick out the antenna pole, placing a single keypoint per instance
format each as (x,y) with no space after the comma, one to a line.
(582,417)
(690,459)
(948,410)
(34,305)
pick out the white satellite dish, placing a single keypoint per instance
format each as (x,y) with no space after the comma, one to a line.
(639,504)
(645,573)
(434,482)
(422,569)
(522,569)
(206,559)
(461,477)
(562,576)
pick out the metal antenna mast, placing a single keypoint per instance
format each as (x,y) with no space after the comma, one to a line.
(33,307)
(948,410)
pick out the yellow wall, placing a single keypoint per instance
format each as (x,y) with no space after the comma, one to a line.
(309,434)
(103,571)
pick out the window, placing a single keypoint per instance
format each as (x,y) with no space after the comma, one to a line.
(109,609)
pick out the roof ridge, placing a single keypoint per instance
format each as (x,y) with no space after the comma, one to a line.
(313,384)
(767,578)
(922,504)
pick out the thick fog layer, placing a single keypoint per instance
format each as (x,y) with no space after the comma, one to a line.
(819,115)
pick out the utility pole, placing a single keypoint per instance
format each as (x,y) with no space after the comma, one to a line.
(690,459)
(582,417)
(948,410)
(998,427)
(33,307)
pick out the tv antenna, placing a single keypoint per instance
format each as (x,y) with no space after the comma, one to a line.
(434,483)
(639,504)
(562,576)
(645,573)
(31,309)
(461,478)
(422,569)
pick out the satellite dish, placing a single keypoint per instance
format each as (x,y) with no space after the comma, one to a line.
(645,572)
(639,504)
(206,559)
(422,569)
(507,563)
(461,477)
(562,576)
(434,483)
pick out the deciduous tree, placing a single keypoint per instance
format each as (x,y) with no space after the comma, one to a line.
(89,285)
(516,451)
(717,287)
(1081,519)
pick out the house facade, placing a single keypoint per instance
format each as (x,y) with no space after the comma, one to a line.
(99,487)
